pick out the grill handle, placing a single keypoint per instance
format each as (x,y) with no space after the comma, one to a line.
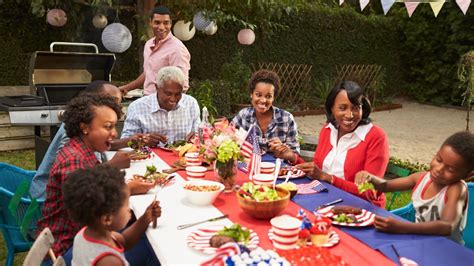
(51,46)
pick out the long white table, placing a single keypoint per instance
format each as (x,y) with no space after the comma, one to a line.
(169,243)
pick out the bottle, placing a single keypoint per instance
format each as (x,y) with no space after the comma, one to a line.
(203,136)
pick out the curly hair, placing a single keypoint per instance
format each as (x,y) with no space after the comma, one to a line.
(356,96)
(81,110)
(265,76)
(463,144)
(93,192)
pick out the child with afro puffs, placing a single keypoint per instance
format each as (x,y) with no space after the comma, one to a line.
(98,198)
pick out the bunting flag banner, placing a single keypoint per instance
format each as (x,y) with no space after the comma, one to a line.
(463,5)
(411,6)
(363,4)
(341,2)
(436,7)
(386,5)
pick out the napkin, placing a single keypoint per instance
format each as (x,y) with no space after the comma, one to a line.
(309,188)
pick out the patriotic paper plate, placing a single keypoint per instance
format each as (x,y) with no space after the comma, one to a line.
(199,239)
(366,218)
(333,239)
(297,174)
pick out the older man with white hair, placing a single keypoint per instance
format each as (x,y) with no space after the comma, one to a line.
(167,115)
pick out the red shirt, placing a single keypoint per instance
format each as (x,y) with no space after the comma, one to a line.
(370,155)
(74,155)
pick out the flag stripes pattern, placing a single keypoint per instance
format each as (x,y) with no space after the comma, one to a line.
(313,187)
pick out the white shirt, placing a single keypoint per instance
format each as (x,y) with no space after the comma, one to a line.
(333,164)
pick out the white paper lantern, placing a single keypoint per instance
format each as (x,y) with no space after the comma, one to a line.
(99,21)
(246,36)
(56,17)
(211,29)
(200,21)
(116,38)
(181,30)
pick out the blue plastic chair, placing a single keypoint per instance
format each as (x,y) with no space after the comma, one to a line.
(408,212)
(10,178)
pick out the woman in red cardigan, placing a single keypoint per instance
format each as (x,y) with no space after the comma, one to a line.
(348,143)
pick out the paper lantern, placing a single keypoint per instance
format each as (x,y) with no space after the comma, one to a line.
(99,21)
(56,17)
(181,30)
(246,36)
(211,29)
(116,38)
(200,21)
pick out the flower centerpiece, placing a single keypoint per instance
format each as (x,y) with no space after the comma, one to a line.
(222,148)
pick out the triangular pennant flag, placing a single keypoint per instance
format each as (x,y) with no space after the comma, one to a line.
(411,6)
(341,2)
(463,5)
(436,7)
(363,4)
(386,5)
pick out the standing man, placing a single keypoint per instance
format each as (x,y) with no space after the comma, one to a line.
(162,50)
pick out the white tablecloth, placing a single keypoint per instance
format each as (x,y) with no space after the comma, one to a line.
(169,243)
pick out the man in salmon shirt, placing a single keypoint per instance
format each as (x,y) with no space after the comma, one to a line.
(162,50)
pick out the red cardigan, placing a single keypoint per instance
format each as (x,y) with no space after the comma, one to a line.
(370,155)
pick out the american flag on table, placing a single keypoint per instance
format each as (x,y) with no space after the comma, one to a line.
(251,149)
(314,187)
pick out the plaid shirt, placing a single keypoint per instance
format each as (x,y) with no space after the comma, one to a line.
(282,126)
(145,116)
(74,155)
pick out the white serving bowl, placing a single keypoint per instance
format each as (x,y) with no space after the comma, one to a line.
(202,198)
(263,179)
(196,172)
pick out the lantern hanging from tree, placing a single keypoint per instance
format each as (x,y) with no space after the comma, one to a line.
(181,30)
(200,21)
(211,29)
(246,36)
(56,17)
(99,21)
(116,38)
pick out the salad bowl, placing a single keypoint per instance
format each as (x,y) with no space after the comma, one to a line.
(265,209)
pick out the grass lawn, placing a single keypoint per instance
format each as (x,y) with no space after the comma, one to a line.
(26,160)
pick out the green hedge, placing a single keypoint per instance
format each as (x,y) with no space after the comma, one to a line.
(321,36)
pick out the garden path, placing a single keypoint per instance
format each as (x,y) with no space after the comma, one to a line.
(415,131)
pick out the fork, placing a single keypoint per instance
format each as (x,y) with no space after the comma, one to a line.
(290,172)
(168,179)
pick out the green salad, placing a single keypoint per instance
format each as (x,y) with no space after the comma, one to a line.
(175,144)
(259,193)
(236,232)
(344,218)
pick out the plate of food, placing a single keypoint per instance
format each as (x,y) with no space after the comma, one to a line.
(332,240)
(209,239)
(348,215)
(152,176)
(141,151)
(295,173)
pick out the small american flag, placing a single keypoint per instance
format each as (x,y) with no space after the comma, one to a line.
(251,149)
(314,187)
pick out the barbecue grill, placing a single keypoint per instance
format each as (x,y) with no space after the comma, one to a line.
(55,78)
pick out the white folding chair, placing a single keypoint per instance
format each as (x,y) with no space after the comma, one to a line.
(40,248)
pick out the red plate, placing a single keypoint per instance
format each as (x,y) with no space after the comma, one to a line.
(366,218)
(299,173)
(199,239)
(333,239)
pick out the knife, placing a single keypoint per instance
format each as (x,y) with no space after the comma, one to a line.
(200,222)
(329,204)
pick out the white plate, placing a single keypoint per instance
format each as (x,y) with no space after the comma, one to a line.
(366,218)
(332,241)
(199,239)
(151,156)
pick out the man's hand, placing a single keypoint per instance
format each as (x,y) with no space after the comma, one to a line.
(137,187)
(153,139)
(120,160)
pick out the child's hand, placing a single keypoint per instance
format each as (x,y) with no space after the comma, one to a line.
(388,224)
(362,177)
(153,212)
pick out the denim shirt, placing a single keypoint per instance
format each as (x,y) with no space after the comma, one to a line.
(38,184)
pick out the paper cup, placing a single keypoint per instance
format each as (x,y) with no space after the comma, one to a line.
(267,168)
(193,159)
(196,172)
(285,229)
